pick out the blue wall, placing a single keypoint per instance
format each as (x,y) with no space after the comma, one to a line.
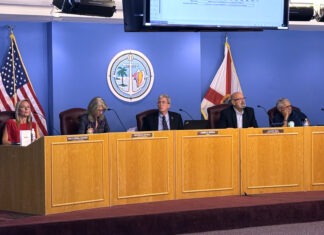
(274,64)
(82,53)
(67,64)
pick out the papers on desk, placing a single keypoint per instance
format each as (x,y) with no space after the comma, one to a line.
(25,137)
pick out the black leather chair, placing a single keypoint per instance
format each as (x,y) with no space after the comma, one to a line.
(214,114)
(4,116)
(70,120)
(140,117)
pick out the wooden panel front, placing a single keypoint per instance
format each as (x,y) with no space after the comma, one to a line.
(142,167)
(207,163)
(314,155)
(22,182)
(272,160)
(76,172)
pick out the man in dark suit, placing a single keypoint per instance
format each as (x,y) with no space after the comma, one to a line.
(163,119)
(237,115)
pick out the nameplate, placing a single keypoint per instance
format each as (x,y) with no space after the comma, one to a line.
(77,138)
(272,131)
(142,135)
(207,132)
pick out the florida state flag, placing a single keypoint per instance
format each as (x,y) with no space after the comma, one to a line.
(225,82)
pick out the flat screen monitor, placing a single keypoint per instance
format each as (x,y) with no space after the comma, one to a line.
(204,15)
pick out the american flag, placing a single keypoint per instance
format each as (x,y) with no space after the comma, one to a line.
(15,85)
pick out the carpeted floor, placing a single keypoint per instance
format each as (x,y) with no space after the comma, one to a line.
(174,217)
(313,228)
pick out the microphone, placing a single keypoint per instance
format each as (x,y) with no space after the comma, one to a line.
(265,110)
(120,121)
(322,109)
(43,117)
(38,114)
(181,110)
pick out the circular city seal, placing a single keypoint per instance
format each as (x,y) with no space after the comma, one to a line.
(130,75)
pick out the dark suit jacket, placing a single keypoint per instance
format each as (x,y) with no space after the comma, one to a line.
(102,127)
(228,118)
(296,116)
(151,122)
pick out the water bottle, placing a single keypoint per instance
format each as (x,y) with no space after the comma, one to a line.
(306,122)
(33,135)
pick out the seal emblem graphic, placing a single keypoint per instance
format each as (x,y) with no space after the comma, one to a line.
(130,75)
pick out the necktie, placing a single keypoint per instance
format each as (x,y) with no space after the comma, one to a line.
(164,124)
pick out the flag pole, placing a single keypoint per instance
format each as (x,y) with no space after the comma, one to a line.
(11,35)
(10,28)
(19,86)
(224,83)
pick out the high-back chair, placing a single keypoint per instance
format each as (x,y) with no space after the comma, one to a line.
(214,114)
(272,112)
(70,120)
(4,116)
(140,117)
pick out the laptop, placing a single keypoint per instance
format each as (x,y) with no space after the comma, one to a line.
(195,124)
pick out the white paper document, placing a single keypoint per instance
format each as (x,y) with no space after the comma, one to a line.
(25,137)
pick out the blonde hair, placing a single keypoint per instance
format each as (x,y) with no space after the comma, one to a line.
(18,117)
(93,106)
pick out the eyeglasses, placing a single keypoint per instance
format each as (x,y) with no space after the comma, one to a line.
(162,102)
(286,107)
(239,99)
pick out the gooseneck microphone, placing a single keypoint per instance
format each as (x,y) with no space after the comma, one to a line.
(43,117)
(181,110)
(39,114)
(264,109)
(120,121)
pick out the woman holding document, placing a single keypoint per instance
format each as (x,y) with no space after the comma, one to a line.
(22,121)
